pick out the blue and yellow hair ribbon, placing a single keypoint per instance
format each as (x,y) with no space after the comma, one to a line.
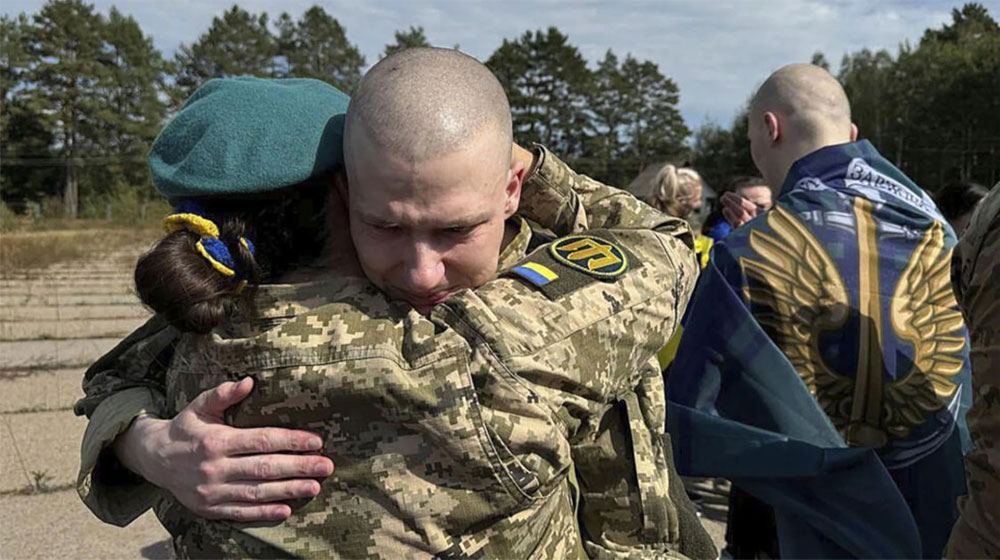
(191,217)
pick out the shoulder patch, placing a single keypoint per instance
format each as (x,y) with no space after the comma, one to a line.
(536,273)
(592,255)
(573,262)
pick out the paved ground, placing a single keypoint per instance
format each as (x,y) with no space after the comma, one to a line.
(53,324)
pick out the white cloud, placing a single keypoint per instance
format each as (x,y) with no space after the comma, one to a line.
(716,51)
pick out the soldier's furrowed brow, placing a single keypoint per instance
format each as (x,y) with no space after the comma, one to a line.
(467,221)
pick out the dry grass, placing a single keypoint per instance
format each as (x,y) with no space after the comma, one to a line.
(32,248)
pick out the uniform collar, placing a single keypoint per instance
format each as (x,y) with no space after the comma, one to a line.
(517,249)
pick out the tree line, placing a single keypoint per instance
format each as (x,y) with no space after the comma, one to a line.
(932,108)
(83,94)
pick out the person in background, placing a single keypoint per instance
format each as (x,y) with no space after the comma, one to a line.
(957,201)
(975,272)
(675,191)
(754,189)
(847,275)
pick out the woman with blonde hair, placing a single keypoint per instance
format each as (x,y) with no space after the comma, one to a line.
(675,191)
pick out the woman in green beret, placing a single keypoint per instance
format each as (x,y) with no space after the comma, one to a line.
(253,209)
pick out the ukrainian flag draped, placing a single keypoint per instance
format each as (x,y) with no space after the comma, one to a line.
(831,319)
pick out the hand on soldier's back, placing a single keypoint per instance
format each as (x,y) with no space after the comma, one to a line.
(221,472)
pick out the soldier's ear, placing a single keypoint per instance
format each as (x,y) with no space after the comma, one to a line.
(515,178)
(773,126)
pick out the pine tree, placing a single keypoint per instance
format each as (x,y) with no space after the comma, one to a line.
(25,133)
(605,102)
(655,128)
(132,112)
(412,38)
(546,81)
(239,43)
(317,47)
(65,41)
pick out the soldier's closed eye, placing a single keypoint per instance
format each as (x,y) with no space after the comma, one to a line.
(460,230)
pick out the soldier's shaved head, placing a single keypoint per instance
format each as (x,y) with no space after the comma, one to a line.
(811,100)
(430,177)
(426,102)
(799,109)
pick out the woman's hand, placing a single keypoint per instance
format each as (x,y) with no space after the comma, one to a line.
(221,472)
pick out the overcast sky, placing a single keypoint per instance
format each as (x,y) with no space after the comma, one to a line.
(717,51)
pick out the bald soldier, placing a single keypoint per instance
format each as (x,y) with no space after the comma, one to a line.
(462,423)
(975,270)
(848,275)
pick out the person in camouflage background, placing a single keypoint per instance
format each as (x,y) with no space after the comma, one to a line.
(975,274)
(473,431)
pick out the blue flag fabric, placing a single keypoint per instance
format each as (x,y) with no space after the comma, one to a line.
(829,319)
(737,408)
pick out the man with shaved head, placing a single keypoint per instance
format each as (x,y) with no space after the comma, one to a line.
(848,276)
(431,182)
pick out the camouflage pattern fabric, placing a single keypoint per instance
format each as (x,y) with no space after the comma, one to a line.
(478,431)
(976,276)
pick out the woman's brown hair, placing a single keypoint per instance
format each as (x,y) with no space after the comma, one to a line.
(287,228)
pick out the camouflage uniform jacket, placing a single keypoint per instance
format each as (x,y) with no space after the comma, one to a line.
(458,434)
(976,277)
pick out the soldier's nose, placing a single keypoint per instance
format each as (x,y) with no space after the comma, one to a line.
(424,272)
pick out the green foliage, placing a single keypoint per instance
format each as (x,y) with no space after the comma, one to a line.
(123,204)
(546,80)
(933,109)
(88,91)
(609,123)
(720,154)
(633,119)
(65,42)
(655,128)
(83,94)
(317,47)
(412,38)
(242,44)
(238,43)
(819,59)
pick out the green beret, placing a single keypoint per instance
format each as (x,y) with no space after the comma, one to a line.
(247,135)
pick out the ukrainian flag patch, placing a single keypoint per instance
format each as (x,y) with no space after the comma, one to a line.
(535,273)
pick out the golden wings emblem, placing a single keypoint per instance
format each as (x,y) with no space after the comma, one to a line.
(798,293)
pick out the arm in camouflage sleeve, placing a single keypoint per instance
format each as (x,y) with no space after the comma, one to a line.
(124,383)
(558,198)
(129,455)
(975,269)
(584,348)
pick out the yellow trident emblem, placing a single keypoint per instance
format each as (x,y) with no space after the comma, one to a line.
(591,255)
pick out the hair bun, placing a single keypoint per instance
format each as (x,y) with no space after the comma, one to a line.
(174,280)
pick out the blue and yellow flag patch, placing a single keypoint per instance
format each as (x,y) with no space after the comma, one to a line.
(537,274)
(575,261)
